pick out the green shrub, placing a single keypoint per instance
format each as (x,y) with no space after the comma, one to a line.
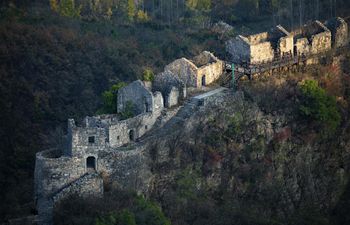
(148,75)
(149,213)
(110,99)
(234,127)
(128,111)
(125,217)
(317,105)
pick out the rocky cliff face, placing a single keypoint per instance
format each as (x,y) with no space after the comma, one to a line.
(252,160)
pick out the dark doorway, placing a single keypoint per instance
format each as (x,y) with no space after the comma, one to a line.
(91,163)
(203,80)
(295,50)
(146,107)
(131,135)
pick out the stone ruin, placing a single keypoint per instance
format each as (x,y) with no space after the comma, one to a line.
(262,47)
(200,71)
(312,38)
(105,145)
(95,146)
(339,29)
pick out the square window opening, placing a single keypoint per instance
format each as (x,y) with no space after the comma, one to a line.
(91,139)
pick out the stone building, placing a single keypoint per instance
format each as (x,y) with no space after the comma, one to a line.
(340,31)
(92,149)
(106,146)
(171,86)
(202,70)
(262,47)
(140,94)
(312,38)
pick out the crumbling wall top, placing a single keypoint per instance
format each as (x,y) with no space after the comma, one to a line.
(310,29)
(204,58)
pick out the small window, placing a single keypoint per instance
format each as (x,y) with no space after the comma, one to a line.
(91,139)
(118,137)
(146,127)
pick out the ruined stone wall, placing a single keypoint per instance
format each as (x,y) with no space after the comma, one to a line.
(57,178)
(172,98)
(321,42)
(185,70)
(258,38)
(286,45)
(88,140)
(302,46)
(120,133)
(239,49)
(262,52)
(88,185)
(137,94)
(165,81)
(211,72)
(340,31)
(127,168)
(53,173)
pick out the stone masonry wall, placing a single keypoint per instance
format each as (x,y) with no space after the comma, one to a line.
(127,168)
(302,46)
(172,98)
(51,174)
(211,72)
(286,45)
(262,52)
(88,140)
(165,81)
(88,185)
(321,42)
(119,133)
(137,94)
(184,69)
(340,31)
(258,38)
(239,49)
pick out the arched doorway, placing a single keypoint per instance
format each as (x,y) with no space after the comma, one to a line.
(91,163)
(203,80)
(132,135)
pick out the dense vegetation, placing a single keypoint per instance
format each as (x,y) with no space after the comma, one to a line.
(115,208)
(58,58)
(319,106)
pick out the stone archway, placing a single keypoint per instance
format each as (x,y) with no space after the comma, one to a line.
(91,163)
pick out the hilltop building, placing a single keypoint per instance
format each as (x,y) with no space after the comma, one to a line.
(262,47)
(200,71)
(311,39)
(106,145)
